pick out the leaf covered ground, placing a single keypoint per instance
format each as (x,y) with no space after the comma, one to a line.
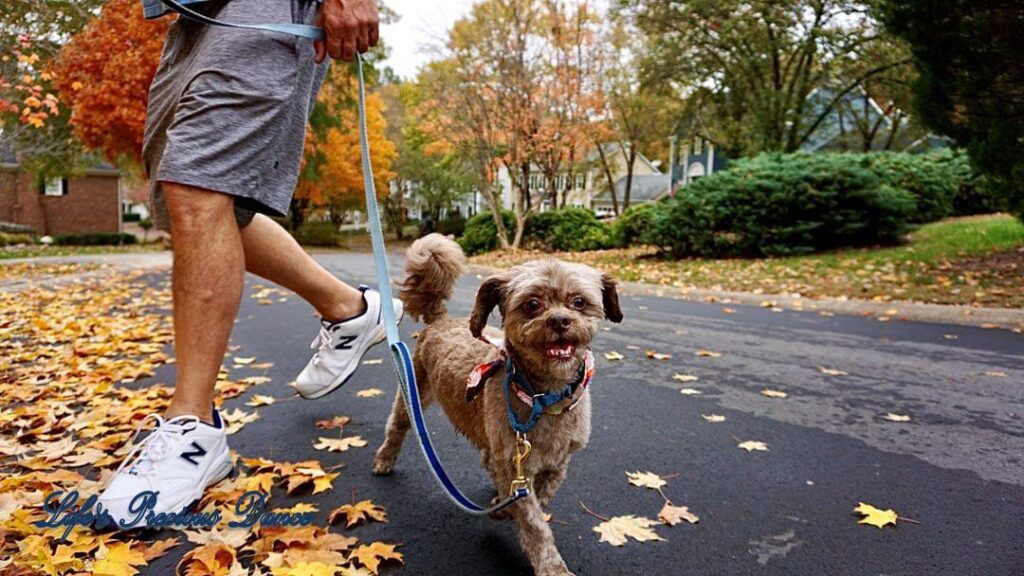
(70,361)
(974,261)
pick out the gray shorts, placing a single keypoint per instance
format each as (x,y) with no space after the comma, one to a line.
(228,108)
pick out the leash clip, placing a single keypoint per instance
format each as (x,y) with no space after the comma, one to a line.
(523,449)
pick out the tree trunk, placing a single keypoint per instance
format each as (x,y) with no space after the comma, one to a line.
(629,177)
(608,176)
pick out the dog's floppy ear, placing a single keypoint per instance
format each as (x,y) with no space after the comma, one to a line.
(610,298)
(487,297)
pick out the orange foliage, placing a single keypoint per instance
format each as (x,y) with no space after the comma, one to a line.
(103,74)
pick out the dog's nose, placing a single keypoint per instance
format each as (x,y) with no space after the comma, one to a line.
(559,322)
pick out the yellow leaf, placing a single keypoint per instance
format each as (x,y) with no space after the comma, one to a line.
(369,393)
(306,569)
(657,355)
(685,377)
(618,529)
(875,517)
(339,444)
(672,515)
(831,372)
(323,483)
(896,417)
(995,374)
(355,513)
(751,445)
(244,361)
(645,480)
(260,400)
(373,554)
(713,417)
(613,355)
(773,393)
(372,362)
(708,354)
(689,392)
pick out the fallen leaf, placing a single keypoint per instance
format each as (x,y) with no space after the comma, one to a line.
(658,355)
(773,393)
(995,374)
(690,392)
(613,356)
(369,393)
(708,354)
(336,422)
(339,444)
(685,377)
(355,513)
(260,400)
(713,417)
(751,445)
(875,517)
(373,554)
(243,361)
(896,417)
(238,418)
(831,371)
(372,362)
(672,515)
(618,529)
(645,480)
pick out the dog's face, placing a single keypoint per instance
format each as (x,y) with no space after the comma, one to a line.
(550,310)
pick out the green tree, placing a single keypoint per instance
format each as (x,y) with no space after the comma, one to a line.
(746,68)
(971,81)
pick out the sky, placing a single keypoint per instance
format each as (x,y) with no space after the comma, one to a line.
(423,25)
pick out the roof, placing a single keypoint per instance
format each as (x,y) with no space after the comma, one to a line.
(646,188)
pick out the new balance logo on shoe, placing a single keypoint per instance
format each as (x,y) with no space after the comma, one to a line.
(345,342)
(190,457)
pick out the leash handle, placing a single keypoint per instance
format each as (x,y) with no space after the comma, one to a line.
(300,30)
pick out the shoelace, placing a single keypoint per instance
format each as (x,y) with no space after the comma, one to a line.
(321,343)
(156,446)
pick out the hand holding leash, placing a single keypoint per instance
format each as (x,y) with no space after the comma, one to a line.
(351,26)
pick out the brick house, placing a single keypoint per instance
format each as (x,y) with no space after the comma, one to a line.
(86,203)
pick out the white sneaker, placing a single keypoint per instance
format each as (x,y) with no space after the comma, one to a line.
(178,460)
(340,347)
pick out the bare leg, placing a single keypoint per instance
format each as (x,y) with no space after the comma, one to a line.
(272,253)
(207,286)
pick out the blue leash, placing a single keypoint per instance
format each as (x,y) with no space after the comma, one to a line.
(400,352)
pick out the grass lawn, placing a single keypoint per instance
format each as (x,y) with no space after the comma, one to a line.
(39,250)
(977,260)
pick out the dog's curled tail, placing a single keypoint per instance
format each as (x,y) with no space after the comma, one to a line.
(433,264)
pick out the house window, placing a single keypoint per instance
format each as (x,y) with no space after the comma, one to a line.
(698,146)
(55,187)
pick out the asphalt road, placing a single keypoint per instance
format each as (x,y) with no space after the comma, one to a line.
(957,466)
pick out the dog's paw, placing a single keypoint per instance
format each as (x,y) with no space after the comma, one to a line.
(383,466)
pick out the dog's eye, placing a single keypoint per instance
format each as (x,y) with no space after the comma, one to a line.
(532,305)
(579,303)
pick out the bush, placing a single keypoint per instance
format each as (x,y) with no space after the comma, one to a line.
(7,239)
(319,234)
(131,217)
(635,224)
(773,205)
(568,229)
(453,225)
(975,194)
(481,235)
(932,179)
(94,239)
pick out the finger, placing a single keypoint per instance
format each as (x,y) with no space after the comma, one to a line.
(334,44)
(321,50)
(348,48)
(374,34)
(363,40)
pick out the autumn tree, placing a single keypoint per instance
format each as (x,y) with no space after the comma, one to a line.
(104,74)
(746,68)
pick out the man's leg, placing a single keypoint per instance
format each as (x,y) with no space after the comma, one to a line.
(207,286)
(272,253)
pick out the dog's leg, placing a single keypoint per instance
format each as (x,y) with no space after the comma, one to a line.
(536,538)
(398,426)
(548,481)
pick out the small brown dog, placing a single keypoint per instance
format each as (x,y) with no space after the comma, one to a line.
(550,312)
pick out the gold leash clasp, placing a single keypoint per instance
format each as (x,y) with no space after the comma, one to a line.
(523,449)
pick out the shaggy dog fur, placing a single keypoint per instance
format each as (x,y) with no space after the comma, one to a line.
(550,311)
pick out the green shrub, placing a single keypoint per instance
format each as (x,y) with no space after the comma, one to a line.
(775,204)
(635,224)
(7,239)
(319,234)
(568,229)
(453,225)
(481,235)
(975,194)
(932,179)
(131,217)
(94,239)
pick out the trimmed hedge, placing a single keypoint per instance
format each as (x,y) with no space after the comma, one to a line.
(775,205)
(481,235)
(323,234)
(94,239)
(568,229)
(635,225)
